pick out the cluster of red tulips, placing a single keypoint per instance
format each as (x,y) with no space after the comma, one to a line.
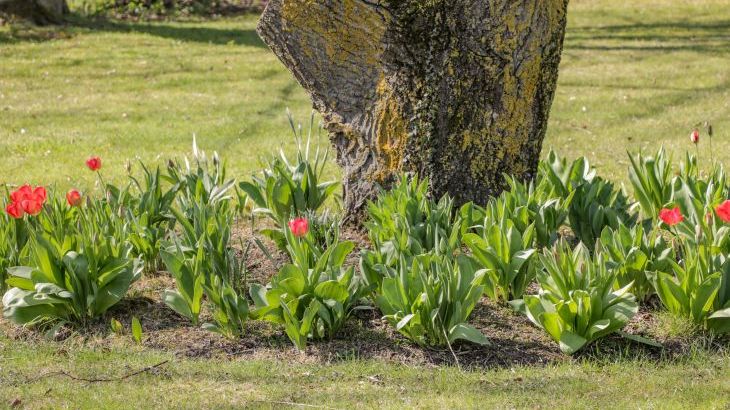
(26,200)
(29,200)
(674,216)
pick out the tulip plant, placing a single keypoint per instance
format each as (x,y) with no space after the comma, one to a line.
(542,209)
(634,254)
(203,263)
(652,179)
(287,189)
(698,286)
(405,223)
(505,254)
(595,203)
(75,280)
(430,300)
(577,302)
(13,237)
(312,296)
(203,182)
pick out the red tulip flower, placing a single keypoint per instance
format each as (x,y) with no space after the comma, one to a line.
(28,200)
(15,210)
(299,227)
(723,211)
(32,206)
(671,217)
(21,193)
(94,163)
(695,136)
(73,197)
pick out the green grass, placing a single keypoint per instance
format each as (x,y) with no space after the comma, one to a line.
(645,74)
(698,382)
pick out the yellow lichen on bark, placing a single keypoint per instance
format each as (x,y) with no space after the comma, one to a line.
(391,131)
(339,36)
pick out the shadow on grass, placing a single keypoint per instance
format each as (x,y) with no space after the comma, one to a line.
(667,36)
(185,32)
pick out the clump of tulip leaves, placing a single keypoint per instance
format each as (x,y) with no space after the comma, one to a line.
(78,265)
(288,188)
(419,279)
(202,262)
(577,302)
(312,296)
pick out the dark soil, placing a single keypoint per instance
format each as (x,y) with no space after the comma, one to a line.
(514,340)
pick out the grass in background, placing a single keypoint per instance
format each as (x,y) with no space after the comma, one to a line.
(639,74)
(634,76)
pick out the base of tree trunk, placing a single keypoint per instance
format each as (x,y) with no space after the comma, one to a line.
(456,91)
(41,12)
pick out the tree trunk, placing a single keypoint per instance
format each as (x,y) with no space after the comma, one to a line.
(458,91)
(41,12)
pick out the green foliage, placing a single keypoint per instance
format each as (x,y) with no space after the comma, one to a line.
(312,296)
(633,254)
(116,326)
(506,256)
(202,262)
(73,280)
(577,303)
(699,195)
(652,178)
(230,308)
(203,182)
(147,205)
(535,205)
(595,203)
(657,187)
(430,300)
(157,8)
(287,189)
(189,275)
(13,237)
(698,286)
(136,330)
(419,283)
(404,223)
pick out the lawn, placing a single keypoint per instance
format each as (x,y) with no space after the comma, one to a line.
(635,75)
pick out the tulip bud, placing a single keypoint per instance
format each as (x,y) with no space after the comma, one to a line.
(94,163)
(73,197)
(695,136)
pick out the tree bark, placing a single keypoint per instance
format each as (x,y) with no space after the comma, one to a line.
(458,91)
(41,12)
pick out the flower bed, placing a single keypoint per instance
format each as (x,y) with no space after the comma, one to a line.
(570,251)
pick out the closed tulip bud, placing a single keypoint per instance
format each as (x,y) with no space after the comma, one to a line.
(299,227)
(695,136)
(73,197)
(94,163)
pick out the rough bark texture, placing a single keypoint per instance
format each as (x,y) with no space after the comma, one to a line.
(458,91)
(39,11)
